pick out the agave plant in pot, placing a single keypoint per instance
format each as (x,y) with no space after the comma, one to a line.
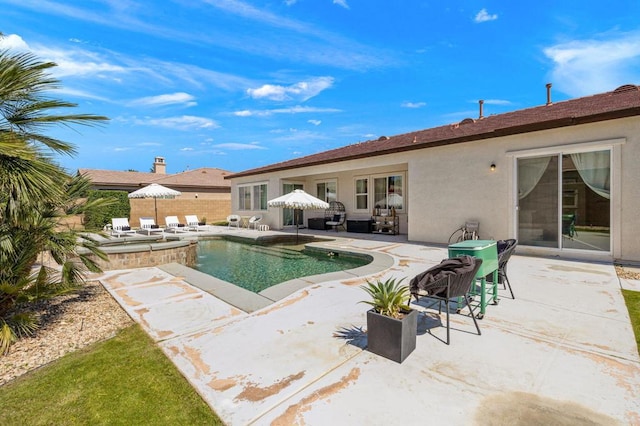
(391,323)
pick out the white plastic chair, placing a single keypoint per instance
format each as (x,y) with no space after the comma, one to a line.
(233,220)
(255,221)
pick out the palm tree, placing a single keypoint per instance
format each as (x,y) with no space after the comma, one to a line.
(35,193)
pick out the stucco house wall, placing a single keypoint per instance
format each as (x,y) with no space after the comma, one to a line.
(451,184)
(344,173)
(448,179)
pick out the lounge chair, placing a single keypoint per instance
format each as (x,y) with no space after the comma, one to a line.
(233,220)
(120,226)
(451,279)
(255,221)
(193,224)
(173,225)
(148,226)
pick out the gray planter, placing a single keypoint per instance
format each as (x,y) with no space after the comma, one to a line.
(392,338)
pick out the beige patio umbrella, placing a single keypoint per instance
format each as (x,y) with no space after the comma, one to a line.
(298,200)
(154,191)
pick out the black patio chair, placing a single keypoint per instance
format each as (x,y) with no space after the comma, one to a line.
(505,250)
(452,278)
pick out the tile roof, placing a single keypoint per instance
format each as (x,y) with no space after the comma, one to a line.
(205,177)
(622,102)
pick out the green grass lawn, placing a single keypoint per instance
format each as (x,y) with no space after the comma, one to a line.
(125,380)
(632,300)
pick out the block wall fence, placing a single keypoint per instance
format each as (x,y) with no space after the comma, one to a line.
(212,209)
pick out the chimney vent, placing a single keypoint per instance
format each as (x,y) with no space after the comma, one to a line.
(549,94)
(159,166)
(481,102)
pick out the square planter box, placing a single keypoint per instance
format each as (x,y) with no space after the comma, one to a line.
(392,338)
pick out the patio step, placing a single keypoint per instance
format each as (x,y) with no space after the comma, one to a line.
(277,251)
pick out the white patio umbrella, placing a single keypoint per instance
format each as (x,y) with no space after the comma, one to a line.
(154,191)
(298,200)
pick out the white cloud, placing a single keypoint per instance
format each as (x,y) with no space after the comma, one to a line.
(185,122)
(102,67)
(302,91)
(167,99)
(483,16)
(290,2)
(314,122)
(413,104)
(71,62)
(239,146)
(14,42)
(80,94)
(497,102)
(292,110)
(342,3)
(77,62)
(584,67)
(186,149)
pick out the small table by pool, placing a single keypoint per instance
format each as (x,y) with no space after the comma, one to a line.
(244,221)
(487,250)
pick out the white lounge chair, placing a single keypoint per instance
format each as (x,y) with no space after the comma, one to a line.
(193,224)
(233,220)
(173,225)
(120,226)
(255,221)
(148,226)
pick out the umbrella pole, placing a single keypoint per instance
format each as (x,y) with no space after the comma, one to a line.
(155,204)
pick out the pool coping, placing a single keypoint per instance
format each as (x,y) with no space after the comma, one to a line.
(248,301)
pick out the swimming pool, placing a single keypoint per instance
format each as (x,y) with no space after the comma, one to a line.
(257,267)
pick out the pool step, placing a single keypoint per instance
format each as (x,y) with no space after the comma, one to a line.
(276,251)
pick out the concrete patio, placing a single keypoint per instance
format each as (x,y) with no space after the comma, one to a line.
(562,352)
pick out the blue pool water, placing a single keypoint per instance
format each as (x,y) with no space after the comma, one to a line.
(257,267)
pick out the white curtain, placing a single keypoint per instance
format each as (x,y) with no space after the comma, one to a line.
(530,171)
(594,169)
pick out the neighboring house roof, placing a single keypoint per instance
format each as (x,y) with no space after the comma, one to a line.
(622,102)
(206,177)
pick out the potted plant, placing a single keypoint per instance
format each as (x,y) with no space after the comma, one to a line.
(391,324)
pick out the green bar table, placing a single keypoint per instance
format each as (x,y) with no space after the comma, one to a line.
(487,250)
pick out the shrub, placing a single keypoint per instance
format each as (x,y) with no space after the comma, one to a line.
(95,219)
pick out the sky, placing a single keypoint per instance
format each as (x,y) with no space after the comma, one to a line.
(239,84)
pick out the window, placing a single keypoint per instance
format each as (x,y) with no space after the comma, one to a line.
(327,191)
(362,194)
(252,197)
(388,192)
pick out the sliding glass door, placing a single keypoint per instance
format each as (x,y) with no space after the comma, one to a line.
(564,200)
